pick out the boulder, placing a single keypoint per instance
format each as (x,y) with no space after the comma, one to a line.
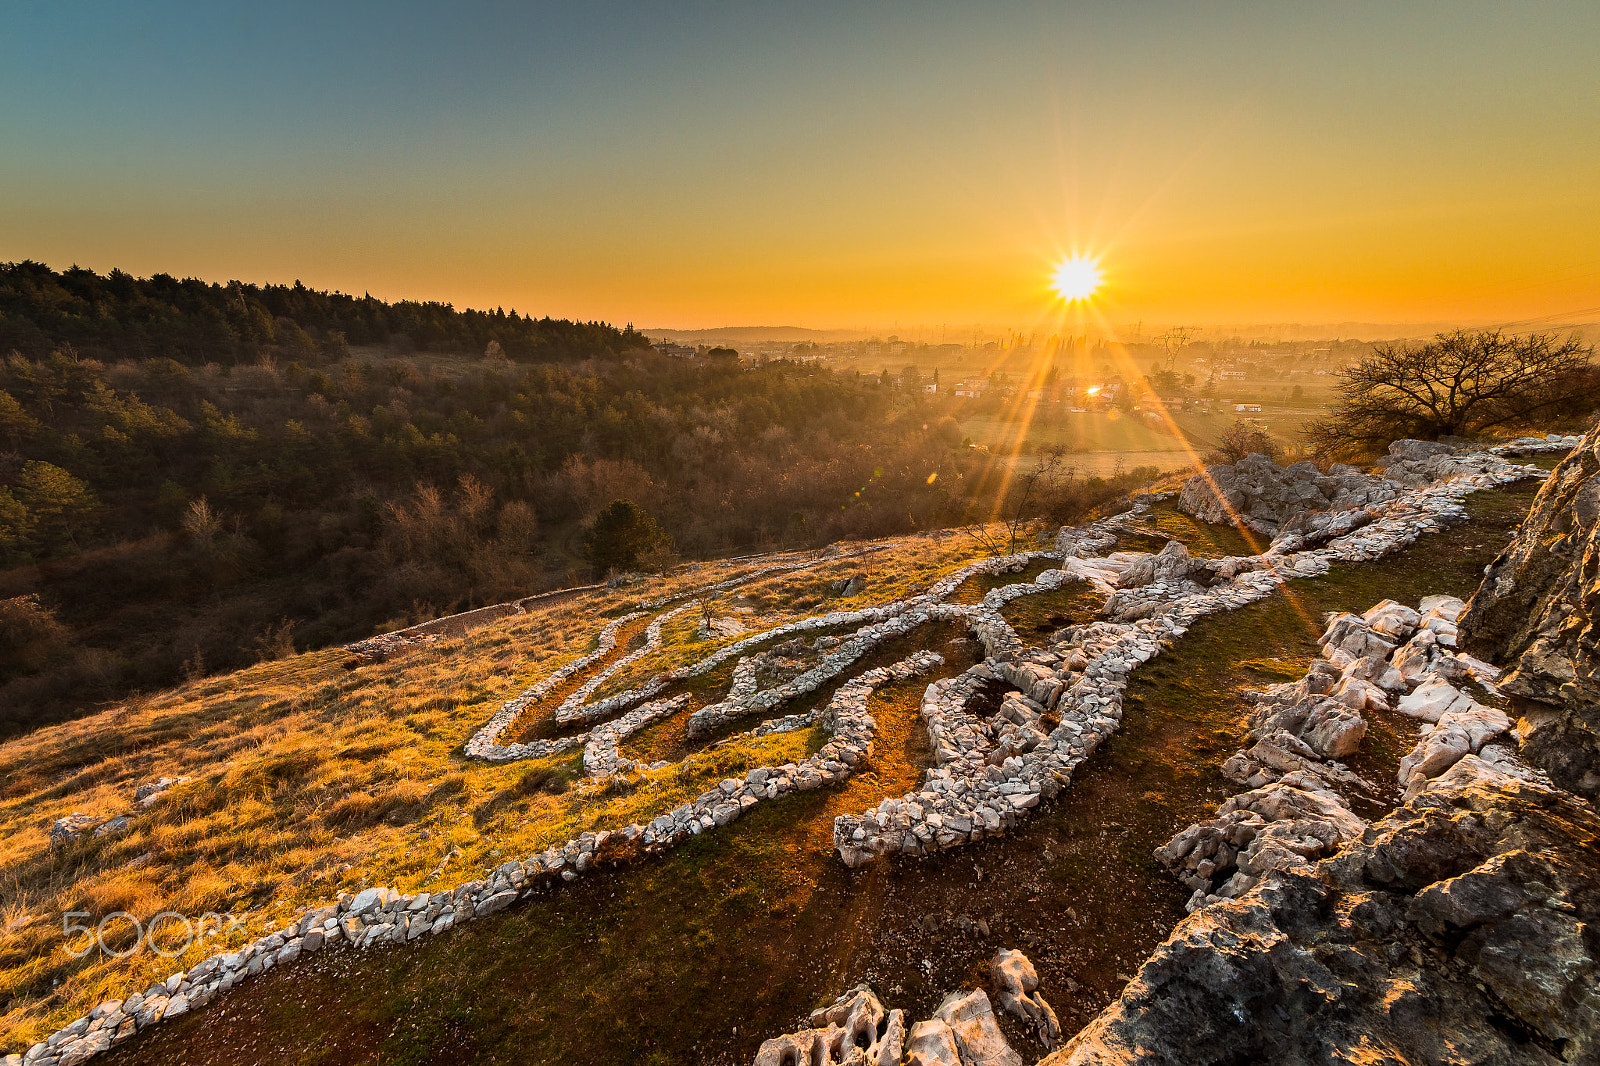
(977,1035)
(70,828)
(1017,982)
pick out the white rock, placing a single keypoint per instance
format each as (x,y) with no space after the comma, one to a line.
(1433,698)
(1477,722)
(932,1043)
(978,1036)
(1435,753)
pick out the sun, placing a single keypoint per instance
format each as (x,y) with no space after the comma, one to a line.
(1077,278)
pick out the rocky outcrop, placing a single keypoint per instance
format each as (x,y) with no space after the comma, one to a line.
(1538,613)
(855,1031)
(1258,493)
(1313,506)
(1457,929)
(1415,463)
(1298,809)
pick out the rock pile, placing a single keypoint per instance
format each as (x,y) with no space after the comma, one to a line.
(1297,810)
(1258,493)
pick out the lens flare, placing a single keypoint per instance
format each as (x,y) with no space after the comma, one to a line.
(1077,278)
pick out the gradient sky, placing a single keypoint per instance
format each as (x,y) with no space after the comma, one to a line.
(855,165)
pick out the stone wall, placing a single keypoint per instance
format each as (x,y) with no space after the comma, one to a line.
(993,769)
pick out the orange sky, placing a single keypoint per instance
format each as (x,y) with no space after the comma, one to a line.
(835,167)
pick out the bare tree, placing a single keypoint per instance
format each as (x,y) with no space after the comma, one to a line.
(1242,440)
(1050,467)
(1458,383)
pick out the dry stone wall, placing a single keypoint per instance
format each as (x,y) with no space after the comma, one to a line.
(1067,699)
(1062,702)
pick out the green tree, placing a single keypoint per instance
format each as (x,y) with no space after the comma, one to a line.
(14,528)
(16,425)
(58,505)
(623,532)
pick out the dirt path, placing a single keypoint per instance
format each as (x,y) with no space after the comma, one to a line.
(537,720)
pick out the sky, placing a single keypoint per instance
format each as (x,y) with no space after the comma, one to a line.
(878,166)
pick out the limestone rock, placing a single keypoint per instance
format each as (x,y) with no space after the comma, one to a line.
(977,1035)
(1393,620)
(1258,493)
(70,828)
(932,1043)
(147,794)
(1536,614)
(112,826)
(1454,930)
(1017,983)
(855,1031)
(1433,699)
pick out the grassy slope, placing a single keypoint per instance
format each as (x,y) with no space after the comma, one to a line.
(307,780)
(701,955)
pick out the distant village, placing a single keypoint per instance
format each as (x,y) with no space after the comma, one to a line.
(1082,376)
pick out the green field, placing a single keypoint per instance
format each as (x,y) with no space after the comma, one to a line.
(1141,438)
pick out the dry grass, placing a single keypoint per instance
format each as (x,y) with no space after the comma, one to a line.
(307,780)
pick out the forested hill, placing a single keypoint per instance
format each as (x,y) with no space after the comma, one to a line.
(193,475)
(119,316)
